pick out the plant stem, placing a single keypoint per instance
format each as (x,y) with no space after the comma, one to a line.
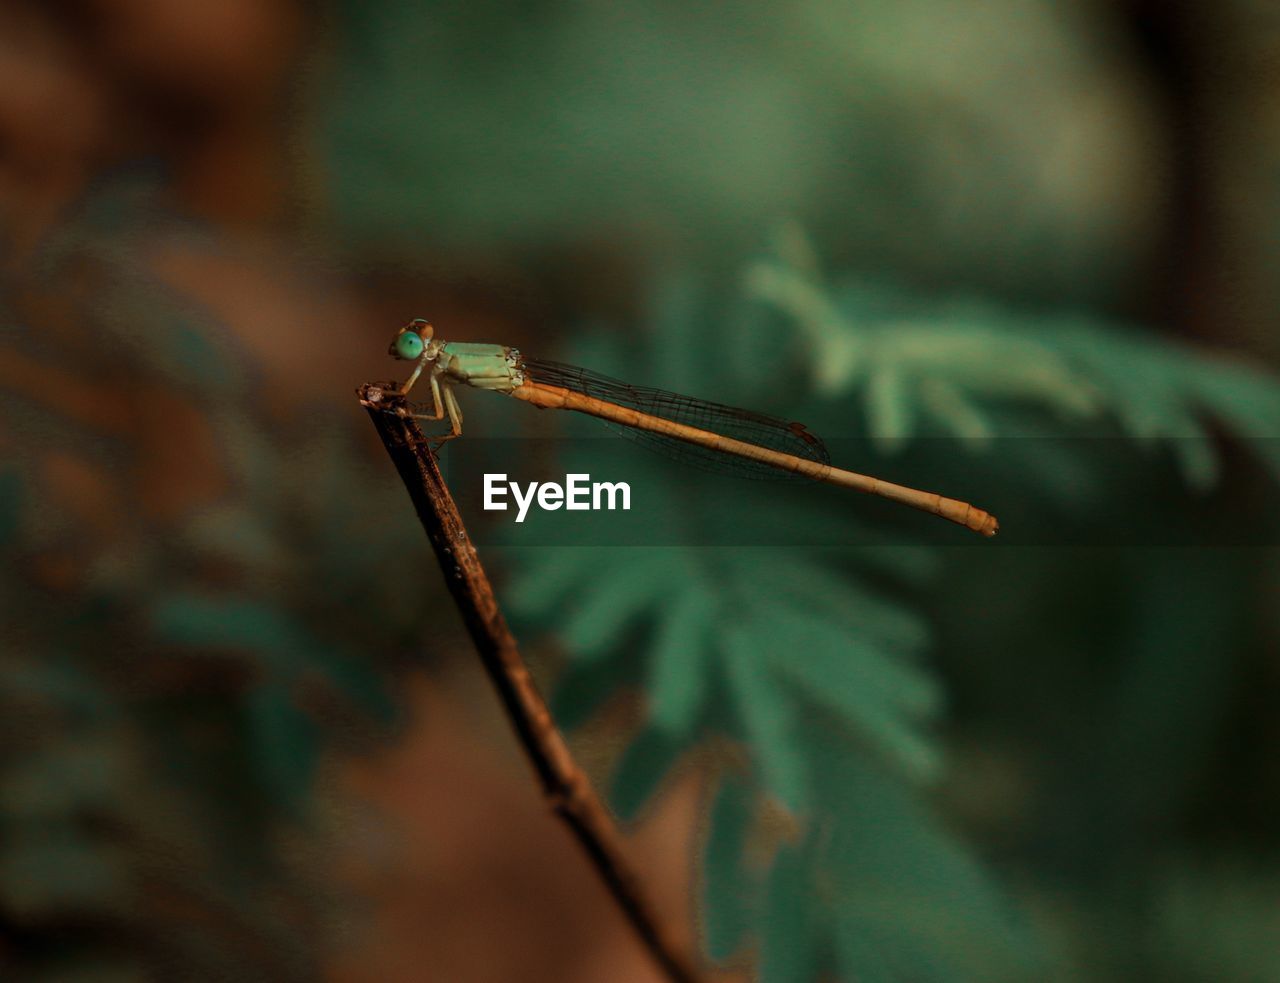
(564,783)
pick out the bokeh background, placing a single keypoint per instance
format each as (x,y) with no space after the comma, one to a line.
(1022,252)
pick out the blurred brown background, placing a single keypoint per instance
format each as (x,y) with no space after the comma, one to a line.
(214,217)
(455,868)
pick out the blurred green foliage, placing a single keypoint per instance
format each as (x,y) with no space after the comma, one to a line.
(936,763)
(812,659)
(163,712)
(1001,145)
(934,366)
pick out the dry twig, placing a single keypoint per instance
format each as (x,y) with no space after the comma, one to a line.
(564,784)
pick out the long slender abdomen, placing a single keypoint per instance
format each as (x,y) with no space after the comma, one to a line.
(556,397)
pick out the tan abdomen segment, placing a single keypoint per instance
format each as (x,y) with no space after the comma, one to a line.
(554,397)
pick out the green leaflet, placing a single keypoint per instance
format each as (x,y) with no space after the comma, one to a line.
(1245,399)
(678,681)
(796,936)
(907,902)
(641,769)
(889,411)
(599,618)
(881,702)
(729,912)
(582,690)
(548,580)
(767,722)
(924,359)
(872,890)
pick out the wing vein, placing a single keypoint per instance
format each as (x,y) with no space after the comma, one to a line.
(729,421)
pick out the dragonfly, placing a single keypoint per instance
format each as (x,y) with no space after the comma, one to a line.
(703,433)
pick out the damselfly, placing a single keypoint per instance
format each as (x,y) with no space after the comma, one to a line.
(708,434)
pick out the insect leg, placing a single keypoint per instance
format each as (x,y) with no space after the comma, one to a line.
(438,414)
(417,371)
(454,411)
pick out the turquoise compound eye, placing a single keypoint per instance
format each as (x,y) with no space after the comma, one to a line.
(409,345)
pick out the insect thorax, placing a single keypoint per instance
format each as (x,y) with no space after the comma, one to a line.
(494,367)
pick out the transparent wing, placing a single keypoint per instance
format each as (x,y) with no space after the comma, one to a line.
(728,421)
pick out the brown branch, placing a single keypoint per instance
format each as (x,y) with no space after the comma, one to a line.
(564,784)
